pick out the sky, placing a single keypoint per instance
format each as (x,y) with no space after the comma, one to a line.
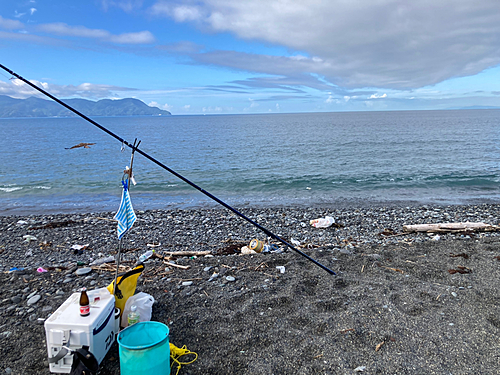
(257,56)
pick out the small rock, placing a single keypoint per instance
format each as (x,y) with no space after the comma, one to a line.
(31,295)
(16,299)
(187,283)
(34,300)
(454,294)
(71,269)
(230,278)
(32,317)
(8,371)
(67,280)
(206,269)
(213,277)
(83,271)
(5,334)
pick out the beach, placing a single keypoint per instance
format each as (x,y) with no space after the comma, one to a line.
(398,303)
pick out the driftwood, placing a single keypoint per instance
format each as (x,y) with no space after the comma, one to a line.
(186,253)
(451,227)
(176,265)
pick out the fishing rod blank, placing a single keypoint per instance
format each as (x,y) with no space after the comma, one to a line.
(136,149)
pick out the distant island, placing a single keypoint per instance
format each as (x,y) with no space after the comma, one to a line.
(35,107)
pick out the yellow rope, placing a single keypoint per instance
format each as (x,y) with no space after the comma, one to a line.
(176,353)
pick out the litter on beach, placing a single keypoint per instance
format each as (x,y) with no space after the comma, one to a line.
(323,222)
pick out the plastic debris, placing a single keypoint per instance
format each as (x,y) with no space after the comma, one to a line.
(41,269)
(22,222)
(360,369)
(281,269)
(323,222)
(246,250)
(154,244)
(146,255)
(28,238)
(79,247)
(103,260)
(295,242)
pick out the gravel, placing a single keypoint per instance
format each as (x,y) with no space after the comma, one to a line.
(392,306)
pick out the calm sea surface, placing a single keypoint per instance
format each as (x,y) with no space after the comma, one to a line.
(443,157)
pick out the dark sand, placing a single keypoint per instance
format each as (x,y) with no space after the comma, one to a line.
(392,308)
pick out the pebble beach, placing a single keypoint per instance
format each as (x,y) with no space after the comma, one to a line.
(392,307)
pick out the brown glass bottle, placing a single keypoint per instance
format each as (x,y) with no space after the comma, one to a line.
(84,303)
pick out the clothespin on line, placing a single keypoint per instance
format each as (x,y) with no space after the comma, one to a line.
(130,175)
(128,171)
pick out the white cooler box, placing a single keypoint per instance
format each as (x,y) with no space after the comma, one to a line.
(65,327)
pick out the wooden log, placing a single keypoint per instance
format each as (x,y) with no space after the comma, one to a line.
(451,227)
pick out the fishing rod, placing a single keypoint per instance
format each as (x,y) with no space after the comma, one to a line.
(147,156)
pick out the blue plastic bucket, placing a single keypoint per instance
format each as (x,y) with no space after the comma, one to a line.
(144,349)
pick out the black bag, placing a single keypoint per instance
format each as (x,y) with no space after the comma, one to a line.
(84,362)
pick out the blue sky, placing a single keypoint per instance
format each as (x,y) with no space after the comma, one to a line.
(257,56)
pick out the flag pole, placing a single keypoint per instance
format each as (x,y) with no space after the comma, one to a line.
(128,179)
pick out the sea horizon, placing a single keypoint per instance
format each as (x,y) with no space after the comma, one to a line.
(313,159)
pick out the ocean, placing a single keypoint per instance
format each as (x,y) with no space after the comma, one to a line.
(305,159)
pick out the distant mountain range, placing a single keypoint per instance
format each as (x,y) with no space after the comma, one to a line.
(35,107)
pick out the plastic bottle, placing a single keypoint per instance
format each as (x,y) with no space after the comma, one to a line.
(133,315)
(146,255)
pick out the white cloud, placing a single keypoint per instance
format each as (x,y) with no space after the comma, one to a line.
(187,107)
(126,5)
(380,43)
(329,99)
(179,12)
(59,28)
(165,106)
(377,96)
(142,37)
(18,89)
(211,109)
(10,24)
(32,11)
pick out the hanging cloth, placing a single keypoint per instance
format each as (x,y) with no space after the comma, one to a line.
(125,215)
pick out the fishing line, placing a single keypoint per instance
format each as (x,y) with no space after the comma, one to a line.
(136,149)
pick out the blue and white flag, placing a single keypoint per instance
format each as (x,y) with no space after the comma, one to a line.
(125,215)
